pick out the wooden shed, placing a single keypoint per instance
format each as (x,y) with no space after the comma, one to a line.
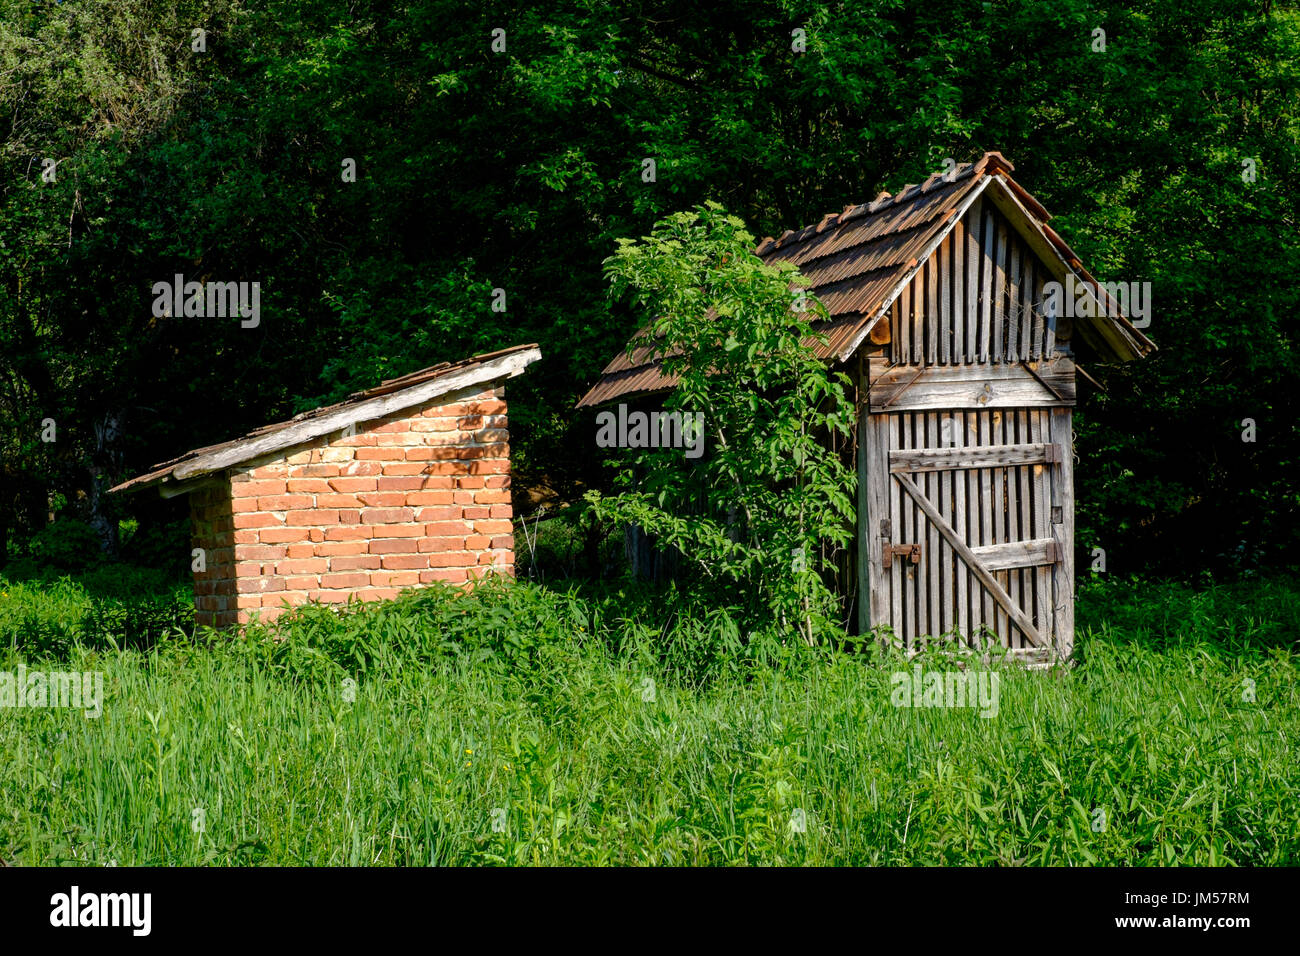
(400,485)
(964,359)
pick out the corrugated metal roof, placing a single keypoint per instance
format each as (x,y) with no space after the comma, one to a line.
(165,469)
(856,261)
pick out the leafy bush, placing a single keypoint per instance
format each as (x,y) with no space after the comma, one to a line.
(753,515)
(163,544)
(496,621)
(65,544)
(45,615)
(572,543)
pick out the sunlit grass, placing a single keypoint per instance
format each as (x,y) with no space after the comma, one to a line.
(526,726)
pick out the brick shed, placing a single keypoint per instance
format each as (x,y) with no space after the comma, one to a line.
(401,485)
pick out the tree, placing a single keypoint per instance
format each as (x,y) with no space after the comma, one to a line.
(755,513)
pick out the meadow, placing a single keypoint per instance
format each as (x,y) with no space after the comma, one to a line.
(523,724)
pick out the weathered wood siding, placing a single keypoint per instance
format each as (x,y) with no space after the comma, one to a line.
(973,301)
(966,451)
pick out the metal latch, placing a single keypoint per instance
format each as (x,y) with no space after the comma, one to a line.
(911,552)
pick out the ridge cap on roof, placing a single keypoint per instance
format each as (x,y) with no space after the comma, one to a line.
(989,163)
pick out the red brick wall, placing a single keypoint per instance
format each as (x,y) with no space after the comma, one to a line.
(419,496)
(213,531)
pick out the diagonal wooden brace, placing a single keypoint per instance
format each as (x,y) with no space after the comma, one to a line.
(963,550)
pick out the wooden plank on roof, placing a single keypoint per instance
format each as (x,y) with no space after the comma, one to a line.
(506,366)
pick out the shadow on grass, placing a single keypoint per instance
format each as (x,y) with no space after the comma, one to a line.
(1249,616)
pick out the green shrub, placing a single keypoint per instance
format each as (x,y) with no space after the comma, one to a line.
(64,545)
(497,621)
(755,516)
(45,615)
(164,545)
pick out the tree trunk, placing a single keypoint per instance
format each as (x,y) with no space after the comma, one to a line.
(105,462)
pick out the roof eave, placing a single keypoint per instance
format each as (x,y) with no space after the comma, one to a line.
(185,474)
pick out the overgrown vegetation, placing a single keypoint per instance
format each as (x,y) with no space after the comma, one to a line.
(519,725)
(517,170)
(611,723)
(754,516)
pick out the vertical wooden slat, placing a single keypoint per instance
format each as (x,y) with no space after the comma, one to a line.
(914,580)
(877,483)
(1041,478)
(1015,300)
(919,571)
(1048,334)
(998,307)
(986,284)
(905,537)
(948,578)
(973,522)
(903,355)
(1026,516)
(920,318)
(1063,532)
(866,514)
(897,617)
(933,554)
(1010,436)
(945,300)
(985,479)
(972,281)
(1027,298)
(1036,345)
(958,291)
(893,333)
(931,312)
(999,478)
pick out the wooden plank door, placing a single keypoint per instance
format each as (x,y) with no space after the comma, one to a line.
(968,512)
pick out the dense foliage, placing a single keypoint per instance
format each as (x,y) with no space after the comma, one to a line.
(768,493)
(517,168)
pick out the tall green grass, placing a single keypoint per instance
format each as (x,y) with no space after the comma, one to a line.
(520,725)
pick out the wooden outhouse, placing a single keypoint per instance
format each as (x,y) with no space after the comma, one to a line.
(941,310)
(403,484)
